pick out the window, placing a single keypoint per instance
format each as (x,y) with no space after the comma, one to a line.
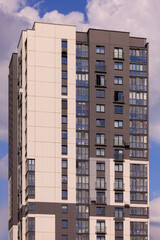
(118,140)
(118,168)
(118,197)
(64,58)
(100,65)
(81,65)
(64,178)
(82,182)
(100,152)
(64,194)
(138,127)
(64,119)
(64,104)
(82,226)
(118,52)
(100,139)
(100,49)
(82,108)
(100,107)
(100,210)
(81,138)
(118,154)
(64,90)
(138,185)
(64,45)
(138,84)
(82,196)
(138,196)
(64,208)
(30,224)
(100,183)
(82,79)
(138,170)
(118,66)
(100,197)
(82,123)
(101,226)
(64,134)
(82,167)
(100,80)
(64,237)
(138,98)
(82,153)
(100,166)
(64,163)
(118,80)
(139,228)
(64,149)
(139,113)
(140,211)
(119,226)
(138,141)
(30,179)
(81,50)
(118,212)
(64,74)
(81,94)
(138,153)
(118,238)
(119,184)
(64,223)
(82,211)
(118,124)
(31,164)
(100,93)
(100,122)
(31,206)
(118,96)
(100,238)
(118,109)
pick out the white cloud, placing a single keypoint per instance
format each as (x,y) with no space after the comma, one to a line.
(4,221)
(4,167)
(11,6)
(155,219)
(155,132)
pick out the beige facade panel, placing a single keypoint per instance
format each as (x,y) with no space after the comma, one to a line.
(13,233)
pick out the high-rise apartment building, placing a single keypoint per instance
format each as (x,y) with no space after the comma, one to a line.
(78,135)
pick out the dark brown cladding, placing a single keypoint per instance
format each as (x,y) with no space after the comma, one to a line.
(12,135)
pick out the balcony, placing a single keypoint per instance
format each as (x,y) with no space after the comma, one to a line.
(100,185)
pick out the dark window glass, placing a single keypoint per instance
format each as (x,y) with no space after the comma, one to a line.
(118,109)
(64,74)
(64,163)
(100,93)
(64,90)
(64,149)
(118,96)
(118,197)
(64,237)
(64,119)
(100,166)
(64,58)
(100,211)
(118,124)
(64,223)
(64,133)
(64,44)
(64,178)
(100,49)
(100,65)
(64,104)
(64,194)
(100,122)
(119,226)
(100,80)
(118,80)
(118,66)
(64,208)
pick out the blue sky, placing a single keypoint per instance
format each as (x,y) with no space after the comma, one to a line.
(141,19)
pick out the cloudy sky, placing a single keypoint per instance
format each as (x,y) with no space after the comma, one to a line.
(140,17)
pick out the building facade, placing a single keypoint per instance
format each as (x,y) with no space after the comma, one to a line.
(81,166)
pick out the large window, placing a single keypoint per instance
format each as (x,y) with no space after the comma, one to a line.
(100,122)
(118,123)
(138,84)
(82,79)
(118,80)
(138,98)
(82,123)
(139,211)
(64,45)
(64,58)
(138,55)
(82,153)
(81,50)
(82,138)
(100,107)
(118,52)
(100,49)
(100,93)
(64,163)
(138,127)
(82,108)
(100,197)
(31,164)
(118,96)
(100,138)
(138,170)
(118,66)
(81,94)
(138,185)
(139,228)
(81,65)
(118,168)
(118,212)
(100,226)
(100,152)
(118,109)
(138,196)
(100,65)
(138,141)
(100,80)
(118,140)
